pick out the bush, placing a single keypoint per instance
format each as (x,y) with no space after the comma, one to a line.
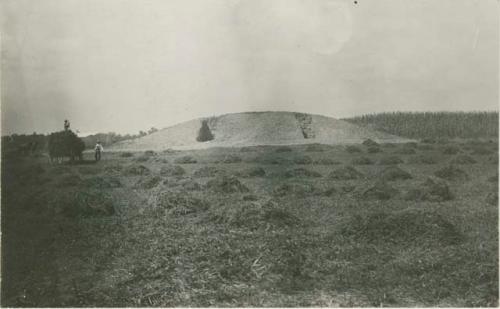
(226,184)
(204,134)
(172,170)
(393,173)
(185,160)
(346,173)
(390,160)
(452,173)
(407,227)
(432,190)
(301,172)
(208,171)
(370,143)
(463,159)
(353,149)
(380,191)
(362,161)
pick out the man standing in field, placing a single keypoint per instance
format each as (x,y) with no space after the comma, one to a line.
(66,125)
(98,149)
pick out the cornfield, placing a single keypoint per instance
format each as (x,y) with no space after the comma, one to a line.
(432,124)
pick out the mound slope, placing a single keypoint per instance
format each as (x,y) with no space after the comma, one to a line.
(257,128)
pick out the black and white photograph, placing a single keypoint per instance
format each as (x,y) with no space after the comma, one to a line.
(249,153)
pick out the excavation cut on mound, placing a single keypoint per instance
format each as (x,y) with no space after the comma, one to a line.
(256,128)
(408,227)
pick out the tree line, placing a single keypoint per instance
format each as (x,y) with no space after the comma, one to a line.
(422,125)
(16,141)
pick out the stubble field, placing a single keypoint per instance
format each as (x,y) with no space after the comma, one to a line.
(412,224)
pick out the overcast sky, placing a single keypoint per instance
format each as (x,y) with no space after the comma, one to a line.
(127,65)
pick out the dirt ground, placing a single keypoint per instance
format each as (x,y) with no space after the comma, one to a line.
(310,225)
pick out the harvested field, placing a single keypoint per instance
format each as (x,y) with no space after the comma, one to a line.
(266,231)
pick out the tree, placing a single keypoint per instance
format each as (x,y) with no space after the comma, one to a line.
(152,130)
(204,134)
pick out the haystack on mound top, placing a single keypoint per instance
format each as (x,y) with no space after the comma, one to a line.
(256,128)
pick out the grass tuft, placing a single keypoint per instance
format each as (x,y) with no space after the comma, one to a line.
(431,190)
(393,173)
(452,173)
(407,227)
(226,184)
(345,173)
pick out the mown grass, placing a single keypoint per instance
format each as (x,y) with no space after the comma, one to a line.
(274,226)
